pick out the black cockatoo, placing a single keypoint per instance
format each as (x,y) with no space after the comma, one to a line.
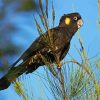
(52,46)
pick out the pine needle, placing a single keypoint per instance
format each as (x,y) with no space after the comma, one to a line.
(18,87)
(38,27)
(53,14)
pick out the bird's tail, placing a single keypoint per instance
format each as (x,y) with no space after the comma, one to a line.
(4,83)
(11,76)
(15,72)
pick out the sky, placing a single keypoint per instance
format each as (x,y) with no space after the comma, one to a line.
(90,34)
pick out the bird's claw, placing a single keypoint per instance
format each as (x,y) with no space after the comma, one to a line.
(59,65)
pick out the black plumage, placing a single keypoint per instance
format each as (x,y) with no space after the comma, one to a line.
(52,46)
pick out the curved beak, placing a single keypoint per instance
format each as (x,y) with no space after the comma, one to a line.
(79,23)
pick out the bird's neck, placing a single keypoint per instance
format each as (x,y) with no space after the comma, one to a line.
(69,31)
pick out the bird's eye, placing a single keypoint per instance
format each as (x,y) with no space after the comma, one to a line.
(75,18)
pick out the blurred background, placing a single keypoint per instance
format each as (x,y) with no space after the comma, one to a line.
(18,30)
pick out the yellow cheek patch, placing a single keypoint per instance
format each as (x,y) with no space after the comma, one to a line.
(67,21)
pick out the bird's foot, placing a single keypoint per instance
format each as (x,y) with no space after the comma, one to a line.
(59,65)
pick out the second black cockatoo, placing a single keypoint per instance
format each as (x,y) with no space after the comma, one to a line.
(52,46)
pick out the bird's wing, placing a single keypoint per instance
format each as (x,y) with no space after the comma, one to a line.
(36,46)
(65,51)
